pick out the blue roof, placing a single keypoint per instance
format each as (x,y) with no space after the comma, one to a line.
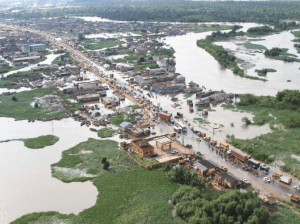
(125,124)
(204,98)
(36,45)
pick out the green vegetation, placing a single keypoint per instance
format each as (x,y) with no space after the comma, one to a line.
(58,62)
(40,142)
(260,30)
(9,69)
(101,44)
(127,193)
(133,107)
(264,72)
(176,10)
(210,206)
(143,160)
(151,66)
(228,106)
(201,120)
(118,119)
(282,115)
(43,58)
(106,132)
(11,80)
(221,55)
(284,215)
(167,53)
(281,54)
(21,109)
(210,27)
(254,46)
(188,95)
(132,57)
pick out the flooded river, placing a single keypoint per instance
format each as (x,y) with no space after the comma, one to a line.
(25,174)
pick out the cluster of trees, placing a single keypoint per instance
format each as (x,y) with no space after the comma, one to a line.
(182,175)
(175,10)
(208,207)
(260,30)
(275,51)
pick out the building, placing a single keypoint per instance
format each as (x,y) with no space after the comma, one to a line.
(33,47)
(88,97)
(124,126)
(143,148)
(227,180)
(111,100)
(205,167)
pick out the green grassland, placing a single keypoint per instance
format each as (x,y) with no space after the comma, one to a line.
(143,160)
(106,132)
(9,69)
(133,107)
(101,44)
(10,80)
(21,109)
(40,142)
(118,119)
(130,194)
(254,46)
(264,72)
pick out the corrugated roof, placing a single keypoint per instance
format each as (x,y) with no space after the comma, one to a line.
(230,178)
(37,45)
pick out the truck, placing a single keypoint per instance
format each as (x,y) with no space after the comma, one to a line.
(285,179)
(295,198)
(180,114)
(182,126)
(214,142)
(165,116)
(177,129)
(253,163)
(277,175)
(224,145)
(239,156)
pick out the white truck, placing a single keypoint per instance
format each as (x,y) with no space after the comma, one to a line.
(182,126)
(286,180)
(177,129)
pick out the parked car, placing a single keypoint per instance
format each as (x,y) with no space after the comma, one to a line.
(198,152)
(154,155)
(246,182)
(267,179)
(297,187)
(174,152)
(245,168)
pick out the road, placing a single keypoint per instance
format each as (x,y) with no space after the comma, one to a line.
(275,188)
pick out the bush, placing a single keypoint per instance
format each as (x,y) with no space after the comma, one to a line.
(14,98)
(36,105)
(106,165)
(103,160)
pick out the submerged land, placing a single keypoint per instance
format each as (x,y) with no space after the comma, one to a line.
(162,146)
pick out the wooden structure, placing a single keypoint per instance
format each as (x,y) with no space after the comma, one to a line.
(205,167)
(163,141)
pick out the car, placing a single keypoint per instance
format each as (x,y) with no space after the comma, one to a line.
(267,179)
(154,155)
(297,187)
(174,152)
(176,117)
(246,182)
(245,168)
(198,152)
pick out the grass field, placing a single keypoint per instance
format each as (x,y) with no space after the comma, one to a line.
(143,160)
(284,215)
(106,132)
(118,119)
(131,194)
(133,107)
(9,81)
(10,68)
(102,44)
(254,46)
(21,109)
(40,142)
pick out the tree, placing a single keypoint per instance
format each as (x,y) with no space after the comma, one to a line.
(81,36)
(107,62)
(103,160)
(167,167)
(106,165)
(246,120)
(36,105)
(142,59)
(14,98)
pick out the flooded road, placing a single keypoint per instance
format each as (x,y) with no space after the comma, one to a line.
(25,174)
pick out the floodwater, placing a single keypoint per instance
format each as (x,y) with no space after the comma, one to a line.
(199,66)
(25,174)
